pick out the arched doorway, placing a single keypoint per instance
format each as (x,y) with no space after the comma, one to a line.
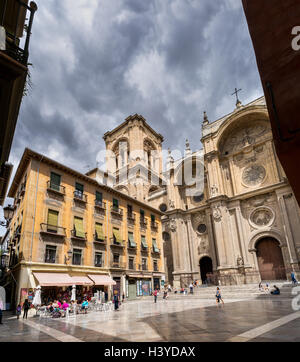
(270,260)
(206,267)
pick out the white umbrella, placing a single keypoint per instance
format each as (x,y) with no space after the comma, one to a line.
(37,297)
(73,297)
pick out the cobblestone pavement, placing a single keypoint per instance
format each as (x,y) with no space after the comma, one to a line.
(183,319)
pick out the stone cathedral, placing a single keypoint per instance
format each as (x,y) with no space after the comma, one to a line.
(243,227)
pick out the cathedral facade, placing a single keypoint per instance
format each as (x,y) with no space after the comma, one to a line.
(241,225)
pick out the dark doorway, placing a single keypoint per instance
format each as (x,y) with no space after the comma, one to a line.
(206,267)
(270,260)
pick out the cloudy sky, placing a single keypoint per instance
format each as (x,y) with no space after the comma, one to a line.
(95,62)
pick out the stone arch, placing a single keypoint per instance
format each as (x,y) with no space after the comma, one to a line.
(260,234)
(206,268)
(123,189)
(241,129)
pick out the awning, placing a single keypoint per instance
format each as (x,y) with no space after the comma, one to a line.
(117,235)
(101,279)
(53,279)
(81,280)
(131,241)
(155,246)
(144,243)
(139,276)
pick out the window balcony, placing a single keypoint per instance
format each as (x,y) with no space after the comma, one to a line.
(99,241)
(52,230)
(143,223)
(13,15)
(131,219)
(80,196)
(117,265)
(58,189)
(155,251)
(115,244)
(76,236)
(116,211)
(154,225)
(100,205)
(144,268)
(144,249)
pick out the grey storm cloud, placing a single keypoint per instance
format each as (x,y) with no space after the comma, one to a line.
(95,62)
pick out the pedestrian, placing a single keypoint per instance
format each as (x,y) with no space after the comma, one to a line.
(155,295)
(84,305)
(165,297)
(26,307)
(116,300)
(18,311)
(123,297)
(218,296)
(169,288)
(1,307)
(191,288)
(294,280)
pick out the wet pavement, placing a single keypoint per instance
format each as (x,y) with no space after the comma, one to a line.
(183,319)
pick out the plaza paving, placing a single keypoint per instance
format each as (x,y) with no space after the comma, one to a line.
(180,319)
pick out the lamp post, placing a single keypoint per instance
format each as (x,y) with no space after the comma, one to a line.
(8,214)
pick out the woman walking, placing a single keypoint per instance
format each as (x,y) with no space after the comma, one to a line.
(26,307)
(116,300)
(18,311)
(218,296)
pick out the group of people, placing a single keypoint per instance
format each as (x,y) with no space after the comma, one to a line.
(59,309)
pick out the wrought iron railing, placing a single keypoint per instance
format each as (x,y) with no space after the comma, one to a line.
(52,229)
(56,188)
(80,196)
(113,242)
(143,223)
(118,264)
(116,210)
(99,204)
(13,17)
(75,235)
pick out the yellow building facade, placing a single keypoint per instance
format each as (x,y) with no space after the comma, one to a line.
(67,225)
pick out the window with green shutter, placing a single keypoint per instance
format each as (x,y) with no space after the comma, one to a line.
(155,248)
(144,243)
(52,220)
(99,232)
(78,226)
(55,180)
(117,236)
(132,244)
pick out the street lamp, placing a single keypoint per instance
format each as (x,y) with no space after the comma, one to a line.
(69,253)
(8,214)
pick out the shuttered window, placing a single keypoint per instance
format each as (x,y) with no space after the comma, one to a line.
(78,225)
(55,180)
(99,231)
(52,220)
(117,235)
(144,243)
(115,204)
(155,248)
(132,244)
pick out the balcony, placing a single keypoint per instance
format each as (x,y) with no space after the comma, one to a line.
(99,241)
(13,15)
(131,219)
(80,197)
(117,265)
(51,230)
(100,205)
(116,211)
(143,223)
(154,225)
(76,236)
(115,244)
(144,268)
(155,251)
(144,249)
(58,189)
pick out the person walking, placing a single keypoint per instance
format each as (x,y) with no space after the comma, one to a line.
(165,297)
(26,307)
(155,295)
(218,296)
(116,300)
(18,311)
(191,288)
(294,280)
